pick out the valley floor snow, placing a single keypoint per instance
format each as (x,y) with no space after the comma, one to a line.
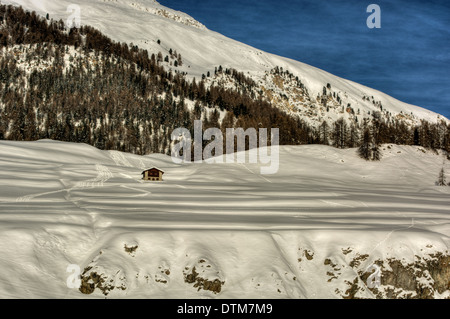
(64,203)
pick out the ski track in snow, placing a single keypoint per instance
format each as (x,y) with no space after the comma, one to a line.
(335,204)
(143,191)
(390,234)
(119,159)
(103,175)
(260,175)
(28,198)
(141,164)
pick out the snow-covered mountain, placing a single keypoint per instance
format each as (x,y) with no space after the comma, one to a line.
(321,95)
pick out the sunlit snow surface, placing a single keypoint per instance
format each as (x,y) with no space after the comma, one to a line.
(64,203)
(144,22)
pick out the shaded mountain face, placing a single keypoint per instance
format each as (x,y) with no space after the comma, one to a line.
(78,84)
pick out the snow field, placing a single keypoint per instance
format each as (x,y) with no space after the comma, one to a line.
(64,203)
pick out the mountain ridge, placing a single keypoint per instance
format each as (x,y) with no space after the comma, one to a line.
(137,98)
(204,50)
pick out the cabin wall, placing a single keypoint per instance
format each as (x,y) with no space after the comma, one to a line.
(147,176)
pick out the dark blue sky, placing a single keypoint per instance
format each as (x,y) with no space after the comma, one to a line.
(408,58)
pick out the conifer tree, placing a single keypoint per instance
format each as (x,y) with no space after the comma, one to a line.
(340,133)
(364,150)
(441,179)
(323,133)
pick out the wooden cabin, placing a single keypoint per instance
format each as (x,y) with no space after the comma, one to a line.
(152,174)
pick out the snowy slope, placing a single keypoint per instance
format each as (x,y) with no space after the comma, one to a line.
(307,231)
(143,22)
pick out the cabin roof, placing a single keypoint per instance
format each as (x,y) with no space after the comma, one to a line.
(153,168)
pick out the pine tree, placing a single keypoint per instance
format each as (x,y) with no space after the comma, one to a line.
(340,134)
(30,131)
(376,152)
(2,136)
(369,148)
(159,57)
(364,150)
(441,179)
(353,138)
(323,133)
